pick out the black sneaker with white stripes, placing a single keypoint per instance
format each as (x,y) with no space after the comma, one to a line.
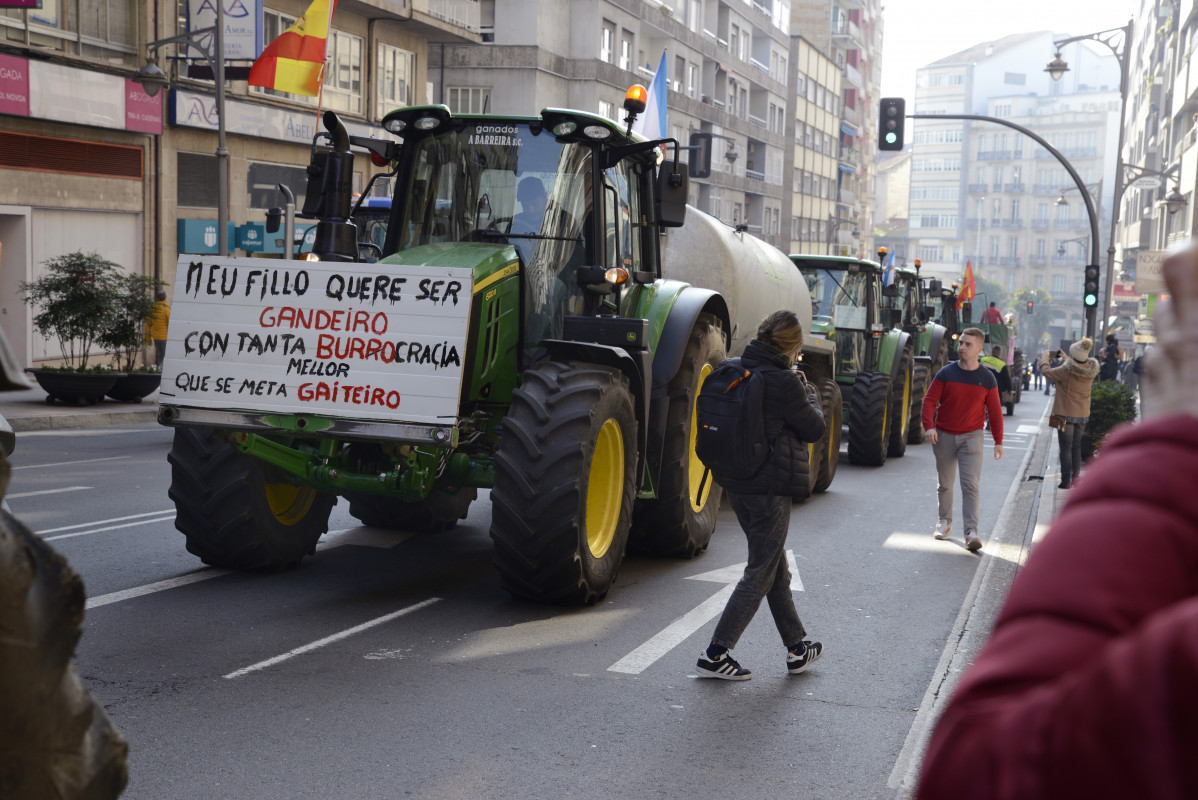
(798,662)
(725,668)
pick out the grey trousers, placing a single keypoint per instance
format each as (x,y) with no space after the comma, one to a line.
(765,521)
(963,450)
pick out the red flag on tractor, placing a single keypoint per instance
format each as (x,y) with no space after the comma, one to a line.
(294,61)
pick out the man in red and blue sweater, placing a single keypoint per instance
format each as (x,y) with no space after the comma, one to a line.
(962,396)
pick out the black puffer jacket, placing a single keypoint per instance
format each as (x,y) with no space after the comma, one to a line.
(792,418)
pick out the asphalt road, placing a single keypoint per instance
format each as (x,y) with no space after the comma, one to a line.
(394,666)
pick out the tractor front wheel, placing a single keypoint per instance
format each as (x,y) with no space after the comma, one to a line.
(680,520)
(900,410)
(869,419)
(237,512)
(564,483)
(831,401)
(920,380)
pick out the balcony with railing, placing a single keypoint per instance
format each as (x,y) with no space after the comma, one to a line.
(1045,188)
(1012,224)
(465,14)
(1038,224)
(994,155)
(1009,261)
(975,224)
(754,174)
(1037,261)
(977,188)
(1013,188)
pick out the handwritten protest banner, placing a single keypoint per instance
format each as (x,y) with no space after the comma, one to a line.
(360,341)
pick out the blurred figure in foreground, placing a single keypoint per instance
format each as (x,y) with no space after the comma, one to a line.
(1088,686)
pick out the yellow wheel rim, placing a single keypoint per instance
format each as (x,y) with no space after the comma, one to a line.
(906,411)
(811,461)
(695,468)
(605,488)
(289,504)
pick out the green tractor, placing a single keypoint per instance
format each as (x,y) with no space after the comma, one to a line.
(875,357)
(513,331)
(932,340)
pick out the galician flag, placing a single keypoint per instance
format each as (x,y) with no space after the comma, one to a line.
(652,124)
(888,271)
(295,60)
(966,294)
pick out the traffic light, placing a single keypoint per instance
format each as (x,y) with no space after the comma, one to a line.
(891,116)
(1090,287)
(1030,307)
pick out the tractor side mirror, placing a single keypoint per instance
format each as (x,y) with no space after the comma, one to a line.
(929,312)
(890,291)
(274,218)
(671,195)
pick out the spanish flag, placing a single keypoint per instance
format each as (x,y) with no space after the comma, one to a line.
(293,62)
(966,293)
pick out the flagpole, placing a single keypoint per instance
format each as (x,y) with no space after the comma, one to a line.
(222,152)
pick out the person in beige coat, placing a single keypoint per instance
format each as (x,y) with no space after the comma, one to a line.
(1073,377)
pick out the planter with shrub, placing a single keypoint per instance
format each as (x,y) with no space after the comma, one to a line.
(1111,404)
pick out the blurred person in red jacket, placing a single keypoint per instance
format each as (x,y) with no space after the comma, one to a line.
(1088,685)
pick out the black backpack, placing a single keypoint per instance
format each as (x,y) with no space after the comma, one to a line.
(730,430)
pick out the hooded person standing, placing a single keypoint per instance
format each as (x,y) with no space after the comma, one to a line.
(1073,378)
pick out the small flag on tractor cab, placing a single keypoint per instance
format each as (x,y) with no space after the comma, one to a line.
(293,62)
(967,287)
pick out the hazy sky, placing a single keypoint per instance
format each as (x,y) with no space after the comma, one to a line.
(919,32)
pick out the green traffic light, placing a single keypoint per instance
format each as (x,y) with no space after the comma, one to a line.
(891,137)
(1090,300)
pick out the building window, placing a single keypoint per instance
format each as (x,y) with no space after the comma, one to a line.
(397,69)
(196,184)
(468,99)
(274,24)
(626,50)
(264,179)
(607,42)
(607,110)
(103,30)
(1058,284)
(343,73)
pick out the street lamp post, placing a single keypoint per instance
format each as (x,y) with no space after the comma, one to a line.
(152,79)
(1058,67)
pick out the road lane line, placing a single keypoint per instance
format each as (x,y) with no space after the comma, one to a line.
(71,463)
(337,540)
(336,637)
(106,521)
(150,588)
(109,528)
(674,634)
(19,495)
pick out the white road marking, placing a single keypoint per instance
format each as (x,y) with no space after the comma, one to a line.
(675,634)
(336,637)
(71,463)
(685,626)
(19,495)
(168,518)
(160,586)
(365,537)
(106,521)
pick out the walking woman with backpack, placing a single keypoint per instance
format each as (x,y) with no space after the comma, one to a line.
(792,417)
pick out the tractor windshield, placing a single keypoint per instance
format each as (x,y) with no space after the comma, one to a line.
(839,296)
(498,181)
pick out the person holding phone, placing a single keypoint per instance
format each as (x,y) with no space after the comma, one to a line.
(1073,378)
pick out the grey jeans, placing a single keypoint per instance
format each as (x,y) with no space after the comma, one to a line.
(765,521)
(963,450)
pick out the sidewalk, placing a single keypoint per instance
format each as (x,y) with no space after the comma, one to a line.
(27,410)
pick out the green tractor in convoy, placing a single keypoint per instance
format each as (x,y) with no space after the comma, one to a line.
(513,331)
(944,302)
(875,357)
(932,340)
